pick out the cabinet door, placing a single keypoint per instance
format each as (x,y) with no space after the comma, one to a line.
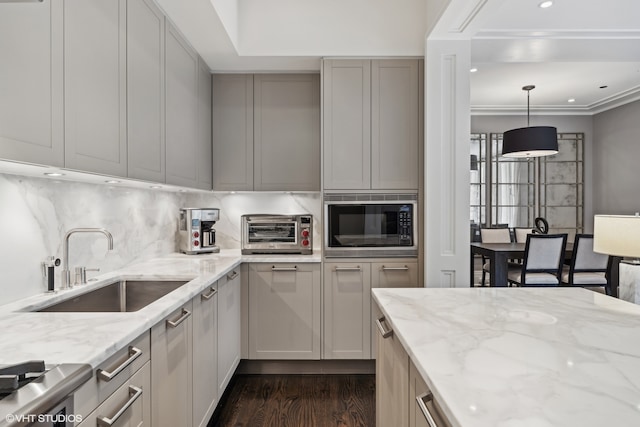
(145,91)
(287,132)
(229,291)
(232,132)
(284,302)
(171,370)
(421,403)
(204,157)
(181,119)
(395,124)
(347,124)
(128,406)
(347,311)
(390,275)
(205,350)
(95,86)
(31,82)
(392,379)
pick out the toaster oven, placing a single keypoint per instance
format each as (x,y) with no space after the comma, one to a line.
(277,234)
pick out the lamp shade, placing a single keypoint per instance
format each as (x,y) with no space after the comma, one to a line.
(617,235)
(533,141)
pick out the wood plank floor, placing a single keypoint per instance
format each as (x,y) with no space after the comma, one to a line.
(298,401)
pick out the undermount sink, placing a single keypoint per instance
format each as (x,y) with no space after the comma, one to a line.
(120,296)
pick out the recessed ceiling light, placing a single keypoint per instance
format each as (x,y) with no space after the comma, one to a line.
(113,181)
(54,174)
(571,100)
(545,4)
(473,70)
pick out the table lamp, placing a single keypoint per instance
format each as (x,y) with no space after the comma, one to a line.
(617,235)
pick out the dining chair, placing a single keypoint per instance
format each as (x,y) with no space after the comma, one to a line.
(587,268)
(521,234)
(492,235)
(542,263)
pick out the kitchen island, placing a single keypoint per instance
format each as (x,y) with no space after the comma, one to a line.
(521,357)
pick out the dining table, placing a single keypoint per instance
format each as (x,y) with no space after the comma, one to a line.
(499,255)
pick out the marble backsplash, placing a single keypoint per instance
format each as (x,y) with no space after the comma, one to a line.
(35,214)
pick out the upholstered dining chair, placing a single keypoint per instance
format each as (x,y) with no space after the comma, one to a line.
(492,235)
(542,263)
(521,234)
(587,268)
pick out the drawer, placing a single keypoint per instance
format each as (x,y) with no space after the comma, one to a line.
(129,405)
(111,374)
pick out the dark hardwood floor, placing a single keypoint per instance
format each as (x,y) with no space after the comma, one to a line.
(298,401)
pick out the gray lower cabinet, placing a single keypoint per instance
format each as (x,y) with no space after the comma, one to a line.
(266,132)
(171,369)
(347,310)
(205,350)
(284,311)
(229,327)
(372,124)
(181,105)
(31,82)
(95,86)
(145,91)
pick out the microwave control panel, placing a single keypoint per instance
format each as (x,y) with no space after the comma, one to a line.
(405,227)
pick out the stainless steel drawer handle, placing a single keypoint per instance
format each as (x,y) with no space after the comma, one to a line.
(385,334)
(422,399)
(174,323)
(232,275)
(134,353)
(405,268)
(356,268)
(294,268)
(206,297)
(134,394)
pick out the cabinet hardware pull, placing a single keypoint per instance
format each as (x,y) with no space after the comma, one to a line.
(294,268)
(422,399)
(356,268)
(405,268)
(385,334)
(134,353)
(206,297)
(173,323)
(232,275)
(134,394)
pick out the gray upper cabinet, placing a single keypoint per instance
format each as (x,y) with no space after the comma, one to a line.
(347,124)
(204,159)
(266,132)
(232,132)
(31,82)
(395,124)
(181,98)
(372,124)
(95,86)
(286,132)
(145,91)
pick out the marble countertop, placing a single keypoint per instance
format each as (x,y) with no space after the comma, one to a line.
(93,337)
(517,357)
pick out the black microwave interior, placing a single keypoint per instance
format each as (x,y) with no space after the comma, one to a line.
(370,225)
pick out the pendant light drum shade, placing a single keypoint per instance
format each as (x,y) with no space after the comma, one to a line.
(533,141)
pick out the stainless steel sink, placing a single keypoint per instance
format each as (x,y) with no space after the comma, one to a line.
(123,296)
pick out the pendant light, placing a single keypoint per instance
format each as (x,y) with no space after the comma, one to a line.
(532,141)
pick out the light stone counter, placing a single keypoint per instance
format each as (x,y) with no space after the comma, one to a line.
(93,337)
(522,357)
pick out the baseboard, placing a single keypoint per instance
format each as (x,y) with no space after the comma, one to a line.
(300,367)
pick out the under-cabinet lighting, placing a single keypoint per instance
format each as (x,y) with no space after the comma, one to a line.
(545,4)
(473,70)
(155,187)
(54,174)
(113,181)
(571,100)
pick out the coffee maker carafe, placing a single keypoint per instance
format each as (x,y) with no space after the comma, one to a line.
(196,232)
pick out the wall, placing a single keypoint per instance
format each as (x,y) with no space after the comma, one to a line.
(616,153)
(564,124)
(35,214)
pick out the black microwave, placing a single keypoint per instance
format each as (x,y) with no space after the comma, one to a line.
(370,225)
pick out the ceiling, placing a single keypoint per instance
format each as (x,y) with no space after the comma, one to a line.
(568,51)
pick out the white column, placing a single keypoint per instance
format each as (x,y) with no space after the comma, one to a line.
(447,130)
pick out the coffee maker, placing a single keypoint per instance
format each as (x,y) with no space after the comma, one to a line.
(196,234)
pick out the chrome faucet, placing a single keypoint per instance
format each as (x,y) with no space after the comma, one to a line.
(66,273)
